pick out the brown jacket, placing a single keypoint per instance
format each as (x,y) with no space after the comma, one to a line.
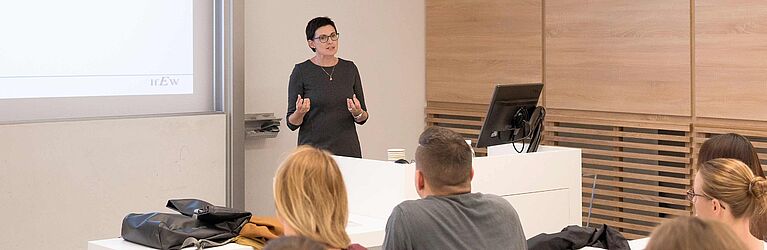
(258,231)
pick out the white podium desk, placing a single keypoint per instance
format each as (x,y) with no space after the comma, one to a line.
(119,243)
(544,187)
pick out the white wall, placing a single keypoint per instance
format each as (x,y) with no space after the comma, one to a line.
(64,183)
(386,39)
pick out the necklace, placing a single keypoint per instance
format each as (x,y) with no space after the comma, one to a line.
(331,72)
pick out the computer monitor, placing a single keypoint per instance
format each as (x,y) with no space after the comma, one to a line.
(513,117)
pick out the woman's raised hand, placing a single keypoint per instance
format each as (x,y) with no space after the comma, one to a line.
(354,106)
(303,105)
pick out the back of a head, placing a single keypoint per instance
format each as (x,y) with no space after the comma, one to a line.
(293,243)
(732,182)
(694,233)
(310,196)
(732,146)
(444,158)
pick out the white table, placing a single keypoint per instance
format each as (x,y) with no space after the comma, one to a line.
(119,243)
(363,230)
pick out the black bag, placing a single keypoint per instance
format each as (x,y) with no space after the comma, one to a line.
(198,220)
(577,237)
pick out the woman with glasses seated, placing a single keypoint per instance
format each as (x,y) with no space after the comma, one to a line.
(325,98)
(737,147)
(726,190)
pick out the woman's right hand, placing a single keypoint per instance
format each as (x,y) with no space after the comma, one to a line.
(303,105)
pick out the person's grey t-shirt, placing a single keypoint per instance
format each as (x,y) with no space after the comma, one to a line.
(465,221)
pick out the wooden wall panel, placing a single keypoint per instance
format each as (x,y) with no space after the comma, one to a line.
(642,167)
(624,81)
(465,119)
(618,55)
(471,45)
(730,65)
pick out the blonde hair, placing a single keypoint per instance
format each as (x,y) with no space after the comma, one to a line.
(733,183)
(694,233)
(310,196)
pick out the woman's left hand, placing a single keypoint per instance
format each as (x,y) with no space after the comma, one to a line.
(354,106)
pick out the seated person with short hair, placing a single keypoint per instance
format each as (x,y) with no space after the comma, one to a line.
(694,233)
(449,215)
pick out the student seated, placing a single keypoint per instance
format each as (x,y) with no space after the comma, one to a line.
(293,243)
(737,147)
(727,191)
(449,215)
(694,233)
(310,198)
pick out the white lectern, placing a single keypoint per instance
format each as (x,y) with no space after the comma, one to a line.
(544,187)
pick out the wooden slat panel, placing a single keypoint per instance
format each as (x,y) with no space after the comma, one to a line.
(651,198)
(620,224)
(636,166)
(635,155)
(454,121)
(618,134)
(618,214)
(455,112)
(730,47)
(465,131)
(465,121)
(637,176)
(618,123)
(648,208)
(480,150)
(621,144)
(651,119)
(622,184)
(618,56)
(715,130)
(611,148)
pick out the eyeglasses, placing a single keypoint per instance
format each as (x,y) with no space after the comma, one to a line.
(324,38)
(691,195)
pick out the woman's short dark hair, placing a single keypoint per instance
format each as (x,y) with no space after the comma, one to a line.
(732,146)
(315,24)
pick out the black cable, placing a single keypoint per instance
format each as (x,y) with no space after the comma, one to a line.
(513,144)
(517,114)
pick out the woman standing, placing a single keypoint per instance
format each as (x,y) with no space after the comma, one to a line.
(325,98)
